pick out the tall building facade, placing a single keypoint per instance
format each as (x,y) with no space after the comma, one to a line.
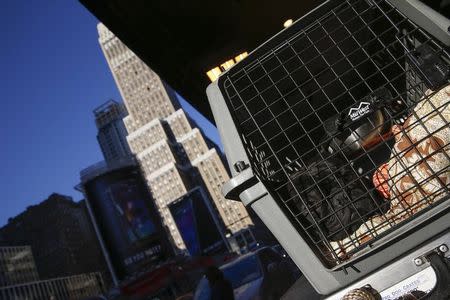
(17,265)
(111,130)
(60,235)
(173,154)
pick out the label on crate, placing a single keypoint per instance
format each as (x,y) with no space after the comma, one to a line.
(423,281)
(357,112)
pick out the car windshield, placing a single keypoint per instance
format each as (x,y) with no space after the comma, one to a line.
(242,271)
(238,273)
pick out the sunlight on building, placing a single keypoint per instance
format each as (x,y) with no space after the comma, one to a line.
(214,73)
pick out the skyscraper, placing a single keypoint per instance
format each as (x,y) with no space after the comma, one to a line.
(173,154)
(111,130)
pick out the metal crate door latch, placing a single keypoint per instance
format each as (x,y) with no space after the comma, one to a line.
(244,181)
(441,266)
(240,166)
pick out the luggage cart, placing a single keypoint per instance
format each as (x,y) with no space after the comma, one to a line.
(337,133)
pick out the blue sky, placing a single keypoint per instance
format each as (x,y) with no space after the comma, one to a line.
(53,75)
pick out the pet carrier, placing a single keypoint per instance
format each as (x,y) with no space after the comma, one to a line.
(338,132)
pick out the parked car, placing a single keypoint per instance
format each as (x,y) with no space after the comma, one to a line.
(261,274)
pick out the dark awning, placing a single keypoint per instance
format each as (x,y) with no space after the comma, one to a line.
(181,40)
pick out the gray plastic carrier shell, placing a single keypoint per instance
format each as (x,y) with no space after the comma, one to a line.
(391,258)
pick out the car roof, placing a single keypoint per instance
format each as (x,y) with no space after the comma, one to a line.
(242,257)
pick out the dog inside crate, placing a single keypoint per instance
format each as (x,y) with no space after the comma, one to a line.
(350,126)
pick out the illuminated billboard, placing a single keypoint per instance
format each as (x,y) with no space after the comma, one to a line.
(126,219)
(196,224)
(131,210)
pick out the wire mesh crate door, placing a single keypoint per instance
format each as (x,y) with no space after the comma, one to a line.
(340,125)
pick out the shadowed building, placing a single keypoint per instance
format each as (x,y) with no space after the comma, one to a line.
(19,279)
(60,235)
(112,133)
(73,287)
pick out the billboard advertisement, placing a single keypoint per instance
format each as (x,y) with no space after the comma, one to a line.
(196,224)
(131,210)
(127,220)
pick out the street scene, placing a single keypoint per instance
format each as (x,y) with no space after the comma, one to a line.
(239,150)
